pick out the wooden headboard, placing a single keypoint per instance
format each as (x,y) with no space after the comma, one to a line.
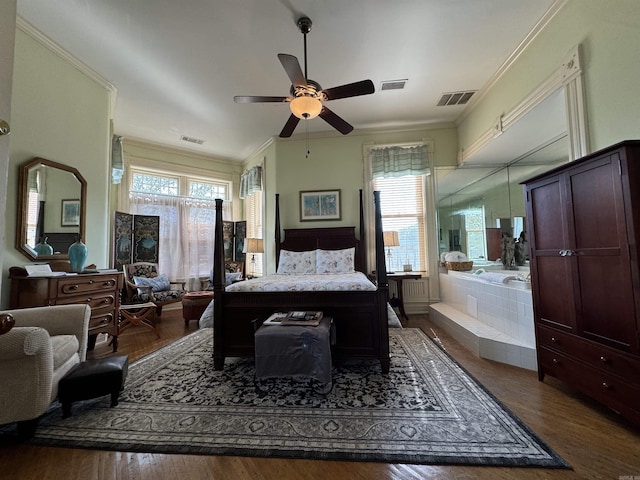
(330,238)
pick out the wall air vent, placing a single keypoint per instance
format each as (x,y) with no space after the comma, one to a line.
(393,84)
(191,140)
(455,98)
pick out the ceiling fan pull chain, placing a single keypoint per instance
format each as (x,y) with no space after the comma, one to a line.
(306,128)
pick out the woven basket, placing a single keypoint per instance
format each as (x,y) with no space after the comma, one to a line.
(459,266)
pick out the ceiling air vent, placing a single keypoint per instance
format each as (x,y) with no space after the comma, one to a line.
(455,98)
(191,140)
(393,84)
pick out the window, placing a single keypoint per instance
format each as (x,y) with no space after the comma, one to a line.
(253,214)
(186,209)
(402,206)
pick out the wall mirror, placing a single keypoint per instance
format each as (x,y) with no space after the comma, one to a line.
(51,205)
(482,198)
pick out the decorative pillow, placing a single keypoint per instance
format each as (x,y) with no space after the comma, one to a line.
(297,263)
(229,278)
(157,284)
(335,261)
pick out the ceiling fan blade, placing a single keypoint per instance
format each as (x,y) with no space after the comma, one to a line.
(364,87)
(292,67)
(335,121)
(290,126)
(257,99)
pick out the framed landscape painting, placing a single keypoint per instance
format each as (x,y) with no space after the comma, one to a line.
(319,205)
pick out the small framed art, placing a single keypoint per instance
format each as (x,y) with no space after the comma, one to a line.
(70,213)
(319,205)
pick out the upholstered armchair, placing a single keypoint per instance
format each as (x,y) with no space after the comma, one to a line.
(36,351)
(234,271)
(144,284)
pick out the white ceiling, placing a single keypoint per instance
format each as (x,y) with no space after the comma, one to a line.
(176,65)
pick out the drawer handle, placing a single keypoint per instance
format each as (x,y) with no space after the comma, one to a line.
(554,340)
(88,300)
(90,282)
(105,300)
(556,361)
(73,287)
(605,385)
(604,359)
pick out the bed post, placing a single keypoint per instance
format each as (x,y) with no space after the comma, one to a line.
(218,288)
(277,228)
(362,250)
(383,288)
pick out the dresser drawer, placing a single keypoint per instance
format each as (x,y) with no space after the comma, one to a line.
(599,356)
(595,382)
(95,300)
(84,284)
(102,323)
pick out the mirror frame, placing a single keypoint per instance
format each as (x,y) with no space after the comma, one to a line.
(21,220)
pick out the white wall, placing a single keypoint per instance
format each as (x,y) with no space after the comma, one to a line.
(61,114)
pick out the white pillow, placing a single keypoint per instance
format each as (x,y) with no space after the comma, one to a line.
(336,261)
(297,263)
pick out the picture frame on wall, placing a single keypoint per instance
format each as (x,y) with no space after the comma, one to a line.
(70,213)
(320,205)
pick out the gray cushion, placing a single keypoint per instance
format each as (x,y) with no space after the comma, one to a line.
(64,347)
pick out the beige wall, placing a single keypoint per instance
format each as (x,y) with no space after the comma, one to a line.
(60,114)
(609,35)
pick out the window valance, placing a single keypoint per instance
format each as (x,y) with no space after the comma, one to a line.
(251,181)
(398,161)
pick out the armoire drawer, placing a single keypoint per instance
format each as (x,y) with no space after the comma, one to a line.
(595,382)
(596,355)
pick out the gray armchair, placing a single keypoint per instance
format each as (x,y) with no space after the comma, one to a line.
(42,346)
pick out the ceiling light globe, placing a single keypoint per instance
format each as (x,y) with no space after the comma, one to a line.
(305,107)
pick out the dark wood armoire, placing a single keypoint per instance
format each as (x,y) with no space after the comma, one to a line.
(583,220)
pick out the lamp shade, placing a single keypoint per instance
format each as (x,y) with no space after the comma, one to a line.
(305,107)
(391,239)
(253,245)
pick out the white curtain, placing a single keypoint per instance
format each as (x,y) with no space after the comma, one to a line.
(186,233)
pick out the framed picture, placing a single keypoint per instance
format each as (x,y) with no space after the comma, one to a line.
(70,213)
(227,236)
(319,205)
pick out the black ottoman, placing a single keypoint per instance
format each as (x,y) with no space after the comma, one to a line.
(91,379)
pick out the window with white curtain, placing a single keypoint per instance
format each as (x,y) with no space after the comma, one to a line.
(402,207)
(253,214)
(186,208)
(398,172)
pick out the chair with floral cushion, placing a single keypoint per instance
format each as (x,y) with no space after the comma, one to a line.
(144,284)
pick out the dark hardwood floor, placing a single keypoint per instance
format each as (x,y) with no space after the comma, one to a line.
(595,441)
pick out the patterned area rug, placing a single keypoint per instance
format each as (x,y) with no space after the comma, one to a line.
(427,410)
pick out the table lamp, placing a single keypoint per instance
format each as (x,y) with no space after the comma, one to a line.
(390,239)
(253,246)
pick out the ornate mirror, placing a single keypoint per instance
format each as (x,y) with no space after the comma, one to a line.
(51,209)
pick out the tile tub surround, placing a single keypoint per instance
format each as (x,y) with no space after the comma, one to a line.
(495,321)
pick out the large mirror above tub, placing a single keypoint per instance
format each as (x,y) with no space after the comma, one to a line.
(51,209)
(482,199)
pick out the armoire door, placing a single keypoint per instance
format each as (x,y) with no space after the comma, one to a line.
(553,289)
(599,243)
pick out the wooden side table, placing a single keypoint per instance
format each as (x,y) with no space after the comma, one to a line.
(399,277)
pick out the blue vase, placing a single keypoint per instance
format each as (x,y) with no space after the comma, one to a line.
(44,248)
(78,256)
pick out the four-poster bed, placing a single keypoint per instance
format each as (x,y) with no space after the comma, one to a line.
(360,316)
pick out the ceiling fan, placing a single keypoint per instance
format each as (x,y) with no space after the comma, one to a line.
(307,97)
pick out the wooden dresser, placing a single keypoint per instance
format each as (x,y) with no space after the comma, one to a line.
(101,291)
(584,227)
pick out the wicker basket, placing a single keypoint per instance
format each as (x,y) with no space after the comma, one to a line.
(459,266)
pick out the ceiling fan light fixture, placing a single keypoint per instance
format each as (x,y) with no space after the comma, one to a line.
(305,107)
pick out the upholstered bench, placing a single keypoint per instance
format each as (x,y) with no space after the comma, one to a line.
(194,304)
(91,379)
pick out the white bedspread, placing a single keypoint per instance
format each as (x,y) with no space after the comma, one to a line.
(356,281)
